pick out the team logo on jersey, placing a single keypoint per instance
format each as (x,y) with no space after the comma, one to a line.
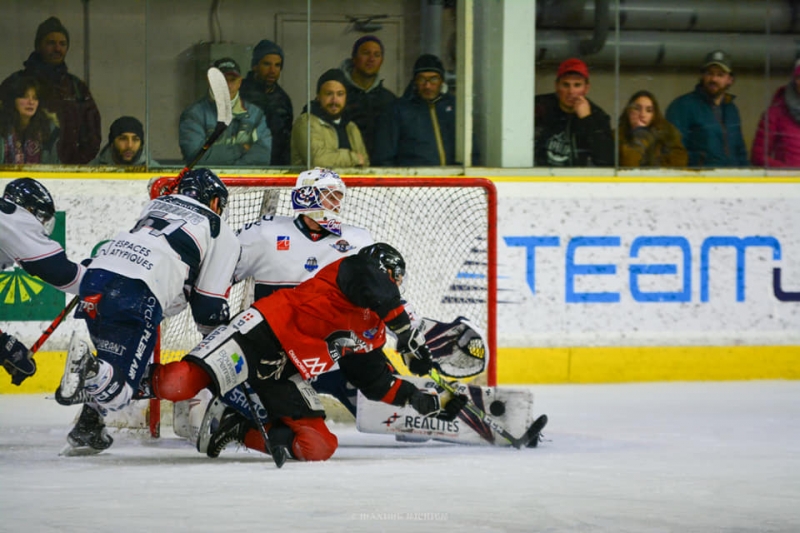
(370,333)
(89,305)
(283,243)
(342,246)
(238,362)
(311,264)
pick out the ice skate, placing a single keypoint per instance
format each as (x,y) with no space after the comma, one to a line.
(232,427)
(80,365)
(89,436)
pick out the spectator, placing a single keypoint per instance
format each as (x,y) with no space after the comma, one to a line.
(777,142)
(420,129)
(570,129)
(367,98)
(335,141)
(29,134)
(247,141)
(62,93)
(261,88)
(708,119)
(646,139)
(125,144)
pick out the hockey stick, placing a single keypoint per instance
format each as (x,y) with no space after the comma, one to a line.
(53,325)
(278,453)
(519,443)
(222,98)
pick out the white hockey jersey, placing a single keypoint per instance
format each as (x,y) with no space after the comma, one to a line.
(275,251)
(177,244)
(23,240)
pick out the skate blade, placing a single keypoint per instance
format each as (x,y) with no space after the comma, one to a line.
(77,451)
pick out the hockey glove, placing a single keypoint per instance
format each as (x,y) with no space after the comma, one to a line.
(428,404)
(411,345)
(15,359)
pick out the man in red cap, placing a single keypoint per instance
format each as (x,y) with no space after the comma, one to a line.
(570,130)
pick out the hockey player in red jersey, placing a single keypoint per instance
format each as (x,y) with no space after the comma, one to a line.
(339,316)
(27,218)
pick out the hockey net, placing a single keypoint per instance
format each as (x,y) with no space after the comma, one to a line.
(444,227)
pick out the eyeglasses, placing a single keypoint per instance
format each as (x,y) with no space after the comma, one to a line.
(433,80)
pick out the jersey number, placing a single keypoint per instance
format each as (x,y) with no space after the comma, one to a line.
(159,224)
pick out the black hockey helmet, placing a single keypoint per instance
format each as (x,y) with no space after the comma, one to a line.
(32,196)
(203,185)
(388,258)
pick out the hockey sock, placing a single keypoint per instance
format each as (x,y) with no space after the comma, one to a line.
(178,381)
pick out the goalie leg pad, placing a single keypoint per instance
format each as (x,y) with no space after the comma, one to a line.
(222,357)
(179,381)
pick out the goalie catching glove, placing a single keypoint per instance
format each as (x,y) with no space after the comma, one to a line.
(411,345)
(16,359)
(429,404)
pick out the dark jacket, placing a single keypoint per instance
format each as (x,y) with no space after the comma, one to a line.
(365,106)
(709,142)
(562,139)
(69,98)
(408,136)
(277,107)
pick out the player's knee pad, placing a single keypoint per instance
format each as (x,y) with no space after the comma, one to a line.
(178,381)
(222,357)
(313,441)
(109,388)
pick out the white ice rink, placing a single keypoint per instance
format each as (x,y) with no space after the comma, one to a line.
(619,458)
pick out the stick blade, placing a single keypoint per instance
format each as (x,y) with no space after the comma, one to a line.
(222,96)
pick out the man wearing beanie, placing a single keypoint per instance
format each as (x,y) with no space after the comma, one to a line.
(707,118)
(261,88)
(420,128)
(246,141)
(335,142)
(62,93)
(777,141)
(125,144)
(367,98)
(571,130)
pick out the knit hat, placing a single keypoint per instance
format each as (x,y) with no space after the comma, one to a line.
(125,125)
(428,63)
(227,65)
(365,39)
(575,66)
(263,48)
(719,58)
(49,26)
(333,74)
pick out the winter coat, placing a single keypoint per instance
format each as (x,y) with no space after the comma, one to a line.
(562,139)
(651,147)
(325,151)
(709,142)
(48,148)
(277,108)
(365,106)
(781,133)
(249,127)
(69,98)
(417,133)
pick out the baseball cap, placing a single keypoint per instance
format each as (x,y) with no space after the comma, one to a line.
(573,65)
(226,65)
(719,58)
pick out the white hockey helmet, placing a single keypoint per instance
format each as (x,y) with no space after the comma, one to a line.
(319,195)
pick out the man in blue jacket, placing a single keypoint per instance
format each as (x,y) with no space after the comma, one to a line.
(709,120)
(420,128)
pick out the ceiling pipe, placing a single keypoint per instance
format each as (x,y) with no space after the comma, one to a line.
(602,21)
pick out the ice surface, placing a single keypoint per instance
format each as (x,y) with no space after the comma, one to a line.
(618,458)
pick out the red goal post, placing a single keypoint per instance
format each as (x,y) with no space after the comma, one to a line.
(444,227)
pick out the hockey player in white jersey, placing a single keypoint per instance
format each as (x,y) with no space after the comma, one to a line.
(181,251)
(27,218)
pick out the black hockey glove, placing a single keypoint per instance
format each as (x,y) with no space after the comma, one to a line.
(411,345)
(15,359)
(428,404)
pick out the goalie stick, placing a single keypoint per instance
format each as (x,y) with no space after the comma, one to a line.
(519,443)
(222,98)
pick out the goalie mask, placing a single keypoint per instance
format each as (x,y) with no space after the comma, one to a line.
(32,196)
(203,185)
(319,195)
(389,259)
